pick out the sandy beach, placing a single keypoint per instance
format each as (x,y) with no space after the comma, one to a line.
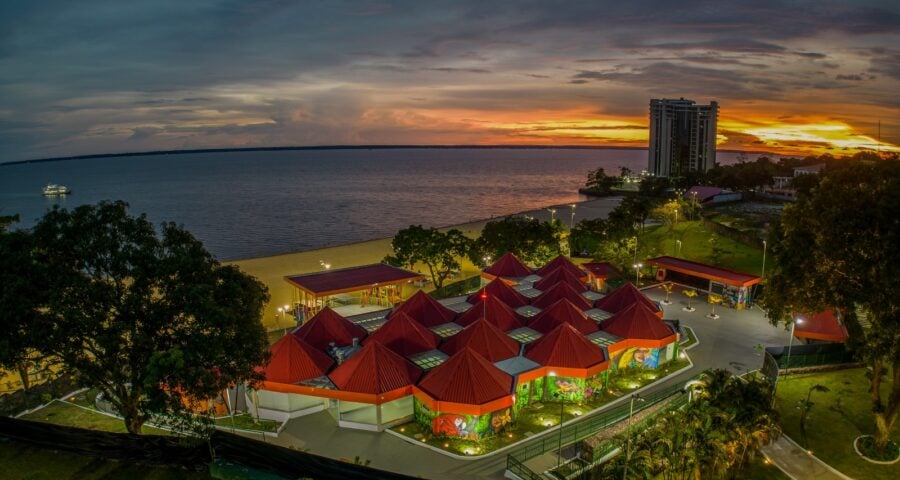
(272,270)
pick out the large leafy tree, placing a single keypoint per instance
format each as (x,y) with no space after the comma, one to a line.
(598,181)
(150,319)
(440,252)
(531,240)
(836,247)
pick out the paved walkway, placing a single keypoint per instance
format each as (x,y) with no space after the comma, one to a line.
(798,464)
(726,342)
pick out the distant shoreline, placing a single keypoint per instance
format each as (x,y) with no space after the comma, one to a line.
(343,147)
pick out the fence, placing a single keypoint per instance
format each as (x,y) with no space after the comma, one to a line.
(803,356)
(187,453)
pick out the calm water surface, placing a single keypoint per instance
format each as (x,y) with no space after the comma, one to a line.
(248,204)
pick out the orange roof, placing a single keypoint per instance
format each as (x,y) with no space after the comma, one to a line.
(561,262)
(425,310)
(498,288)
(498,313)
(294,360)
(623,297)
(702,270)
(560,291)
(351,279)
(639,322)
(484,338)
(326,327)
(508,266)
(560,275)
(565,347)
(375,369)
(562,311)
(824,325)
(466,378)
(404,335)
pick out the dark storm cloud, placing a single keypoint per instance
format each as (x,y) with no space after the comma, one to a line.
(192,73)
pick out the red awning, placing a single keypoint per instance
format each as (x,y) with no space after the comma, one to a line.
(498,313)
(637,322)
(560,275)
(702,270)
(562,311)
(564,347)
(351,279)
(326,327)
(498,288)
(374,370)
(294,360)
(508,266)
(466,378)
(425,310)
(484,338)
(561,262)
(560,291)
(825,326)
(404,335)
(624,297)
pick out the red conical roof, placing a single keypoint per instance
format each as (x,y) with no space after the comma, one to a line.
(508,266)
(404,335)
(563,311)
(484,338)
(561,262)
(326,327)
(623,297)
(498,288)
(637,321)
(425,310)
(467,378)
(560,275)
(560,291)
(564,347)
(375,369)
(498,313)
(294,360)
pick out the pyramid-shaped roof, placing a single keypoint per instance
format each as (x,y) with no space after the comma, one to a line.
(498,313)
(560,275)
(326,327)
(467,378)
(404,335)
(294,360)
(623,297)
(508,266)
(486,339)
(561,262)
(375,369)
(424,309)
(637,321)
(562,311)
(564,347)
(560,291)
(498,288)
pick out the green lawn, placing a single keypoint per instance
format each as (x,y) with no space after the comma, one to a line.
(63,413)
(696,246)
(759,469)
(24,462)
(248,422)
(837,417)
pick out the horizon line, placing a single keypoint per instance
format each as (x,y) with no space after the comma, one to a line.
(343,147)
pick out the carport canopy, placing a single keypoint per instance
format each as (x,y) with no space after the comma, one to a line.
(708,272)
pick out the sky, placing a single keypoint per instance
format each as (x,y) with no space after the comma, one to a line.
(88,76)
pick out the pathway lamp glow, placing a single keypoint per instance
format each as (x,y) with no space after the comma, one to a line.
(787,363)
(572,222)
(637,273)
(763,274)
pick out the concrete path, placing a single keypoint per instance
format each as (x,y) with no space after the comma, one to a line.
(793,460)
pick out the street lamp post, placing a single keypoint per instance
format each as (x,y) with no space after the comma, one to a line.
(634,397)
(677,248)
(572,222)
(552,214)
(763,274)
(787,363)
(637,274)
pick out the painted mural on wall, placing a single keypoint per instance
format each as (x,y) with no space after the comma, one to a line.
(637,357)
(459,425)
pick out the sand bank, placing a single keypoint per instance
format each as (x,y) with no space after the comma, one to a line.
(272,270)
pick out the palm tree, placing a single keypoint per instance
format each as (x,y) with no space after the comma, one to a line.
(667,287)
(714,299)
(806,405)
(690,293)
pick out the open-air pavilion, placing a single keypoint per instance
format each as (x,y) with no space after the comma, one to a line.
(733,286)
(351,290)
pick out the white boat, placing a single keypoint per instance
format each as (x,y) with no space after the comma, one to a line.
(52,190)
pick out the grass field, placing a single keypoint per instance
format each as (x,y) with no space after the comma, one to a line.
(248,422)
(695,245)
(759,469)
(836,419)
(64,413)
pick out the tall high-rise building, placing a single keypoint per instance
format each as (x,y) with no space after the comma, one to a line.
(682,137)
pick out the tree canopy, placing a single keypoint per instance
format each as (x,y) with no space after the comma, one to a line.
(440,252)
(150,319)
(598,181)
(836,247)
(533,241)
